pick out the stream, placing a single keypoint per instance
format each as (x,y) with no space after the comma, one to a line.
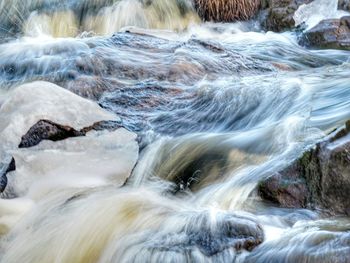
(208,109)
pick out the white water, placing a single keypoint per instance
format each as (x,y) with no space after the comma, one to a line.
(313,13)
(103,17)
(217,103)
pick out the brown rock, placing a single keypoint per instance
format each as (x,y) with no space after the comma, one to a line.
(330,33)
(48,130)
(278,14)
(319,179)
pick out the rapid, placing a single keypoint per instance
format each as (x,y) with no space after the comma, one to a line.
(208,110)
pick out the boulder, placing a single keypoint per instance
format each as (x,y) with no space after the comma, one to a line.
(278,15)
(30,103)
(66,136)
(319,179)
(329,33)
(97,159)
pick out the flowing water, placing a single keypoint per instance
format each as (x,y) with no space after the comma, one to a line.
(216,108)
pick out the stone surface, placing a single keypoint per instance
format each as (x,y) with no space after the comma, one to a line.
(319,179)
(326,241)
(330,33)
(344,5)
(278,14)
(29,103)
(212,235)
(97,159)
(6,167)
(48,130)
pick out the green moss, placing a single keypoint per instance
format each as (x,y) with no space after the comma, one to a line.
(305,160)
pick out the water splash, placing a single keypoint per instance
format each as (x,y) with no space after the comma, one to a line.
(313,13)
(103,17)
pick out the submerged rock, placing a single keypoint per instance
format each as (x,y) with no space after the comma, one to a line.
(329,33)
(208,160)
(212,237)
(319,179)
(326,241)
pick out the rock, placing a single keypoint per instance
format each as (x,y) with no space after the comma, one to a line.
(4,169)
(212,234)
(99,158)
(41,112)
(286,188)
(48,130)
(103,125)
(326,241)
(278,15)
(208,160)
(319,179)
(344,5)
(226,10)
(30,103)
(329,33)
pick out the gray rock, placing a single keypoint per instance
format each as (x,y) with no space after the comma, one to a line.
(212,237)
(344,5)
(6,167)
(329,33)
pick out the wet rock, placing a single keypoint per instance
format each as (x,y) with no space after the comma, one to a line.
(48,130)
(232,231)
(329,33)
(103,125)
(33,102)
(4,169)
(212,237)
(344,5)
(326,241)
(278,15)
(286,188)
(226,10)
(319,179)
(99,158)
